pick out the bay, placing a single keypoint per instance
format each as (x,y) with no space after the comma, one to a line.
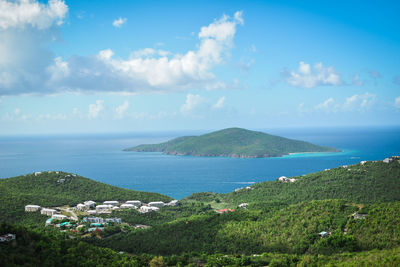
(100,157)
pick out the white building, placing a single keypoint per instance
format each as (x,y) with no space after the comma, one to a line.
(59,217)
(243,205)
(145,209)
(114,220)
(89,204)
(48,212)
(158,204)
(387,160)
(284,179)
(137,203)
(128,206)
(81,206)
(111,202)
(93,219)
(32,208)
(37,173)
(7,237)
(92,212)
(363,162)
(172,203)
(103,208)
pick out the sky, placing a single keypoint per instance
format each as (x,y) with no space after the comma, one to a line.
(126,66)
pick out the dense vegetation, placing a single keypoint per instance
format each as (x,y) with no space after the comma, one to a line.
(368,183)
(232,142)
(47,190)
(280,227)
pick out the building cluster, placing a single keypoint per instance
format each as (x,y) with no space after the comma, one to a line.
(54,214)
(391,159)
(108,206)
(284,179)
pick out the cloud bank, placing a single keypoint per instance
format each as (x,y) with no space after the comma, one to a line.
(27,65)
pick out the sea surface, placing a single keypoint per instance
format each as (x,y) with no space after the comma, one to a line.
(100,157)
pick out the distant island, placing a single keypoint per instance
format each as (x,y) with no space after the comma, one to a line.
(232,142)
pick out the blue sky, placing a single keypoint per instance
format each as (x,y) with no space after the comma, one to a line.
(118,66)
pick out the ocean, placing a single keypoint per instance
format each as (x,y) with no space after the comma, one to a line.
(100,157)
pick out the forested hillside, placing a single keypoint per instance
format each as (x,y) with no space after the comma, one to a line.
(233,142)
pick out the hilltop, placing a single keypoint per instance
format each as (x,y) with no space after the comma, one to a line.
(232,142)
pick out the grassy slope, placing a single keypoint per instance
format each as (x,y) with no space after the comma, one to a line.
(233,142)
(44,190)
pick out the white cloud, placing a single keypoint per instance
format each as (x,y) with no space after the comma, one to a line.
(327,106)
(397,102)
(220,103)
(307,77)
(121,109)
(21,13)
(95,109)
(119,22)
(146,70)
(359,102)
(192,102)
(356,80)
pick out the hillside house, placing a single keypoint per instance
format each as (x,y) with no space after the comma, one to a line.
(128,206)
(32,208)
(111,202)
(137,203)
(358,216)
(243,205)
(81,206)
(284,179)
(37,173)
(91,212)
(172,203)
(103,208)
(388,160)
(93,220)
(225,210)
(158,204)
(324,234)
(89,204)
(114,220)
(7,237)
(363,162)
(59,217)
(48,212)
(145,209)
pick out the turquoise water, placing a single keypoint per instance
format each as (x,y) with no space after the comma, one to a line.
(100,157)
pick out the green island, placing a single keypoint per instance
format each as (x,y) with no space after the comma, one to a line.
(346,216)
(232,142)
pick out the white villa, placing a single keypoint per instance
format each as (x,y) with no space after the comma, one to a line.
(89,204)
(103,208)
(284,179)
(137,203)
(114,220)
(128,206)
(93,220)
(48,212)
(91,212)
(243,205)
(111,202)
(32,208)
(81,206)
(37,173)
(172,203)
(59,217)
(145,209)
(158,204)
